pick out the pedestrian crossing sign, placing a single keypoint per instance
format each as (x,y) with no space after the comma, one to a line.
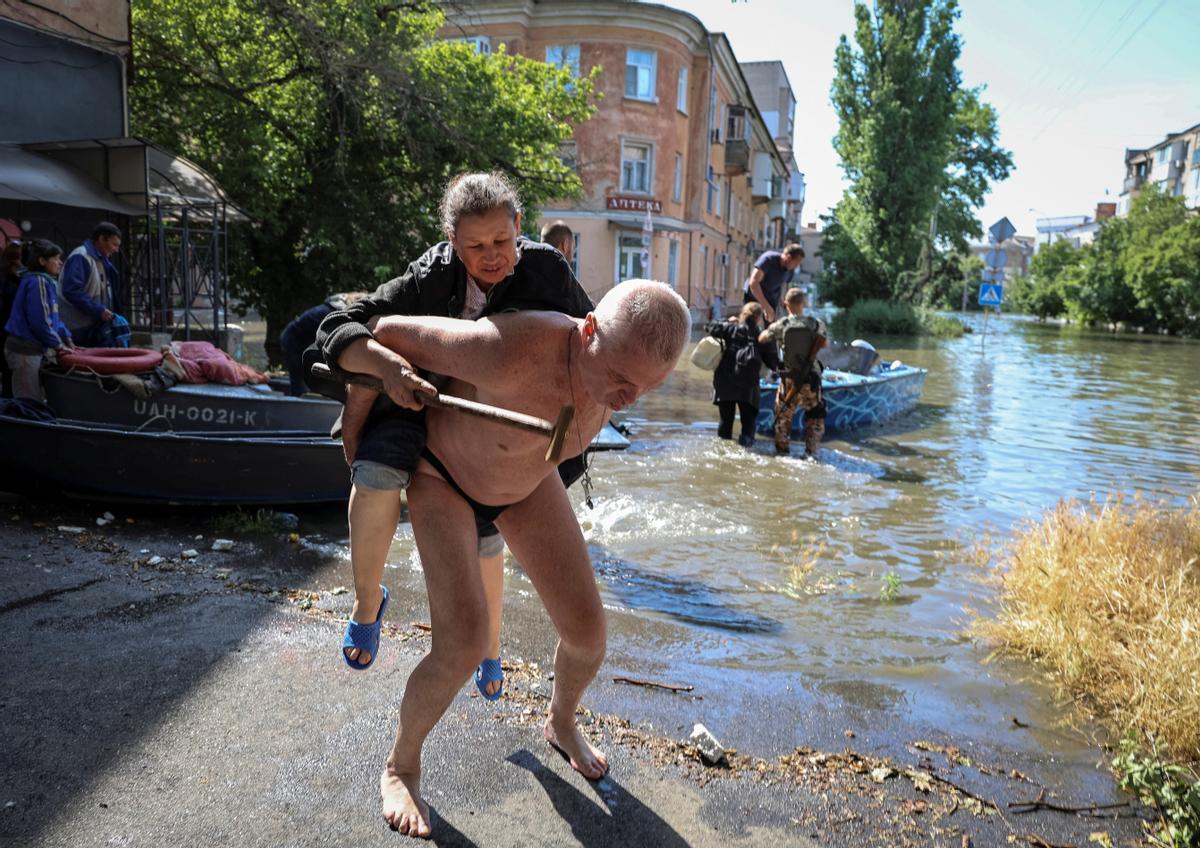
(991,294)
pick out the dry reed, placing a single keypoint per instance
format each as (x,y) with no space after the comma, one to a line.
(1107,598)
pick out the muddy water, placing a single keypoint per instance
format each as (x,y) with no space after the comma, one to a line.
(722,563)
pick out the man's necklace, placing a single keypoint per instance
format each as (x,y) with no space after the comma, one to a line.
(584,458)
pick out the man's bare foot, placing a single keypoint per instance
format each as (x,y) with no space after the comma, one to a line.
(572,744)
(403,808)
(365,611)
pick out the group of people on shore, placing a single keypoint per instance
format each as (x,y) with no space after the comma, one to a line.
(50,303)
(756,339)
(500,319)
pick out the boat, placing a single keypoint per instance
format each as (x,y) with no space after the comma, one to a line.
(187,407)
(196,468)
(853,400)
(251,410)
(115,462)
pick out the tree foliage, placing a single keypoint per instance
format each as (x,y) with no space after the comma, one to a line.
(914,145)
(335,125)
(1142,270)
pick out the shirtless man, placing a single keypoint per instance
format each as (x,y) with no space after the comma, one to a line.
(531,362)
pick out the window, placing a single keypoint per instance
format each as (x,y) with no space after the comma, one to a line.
(673,263)
(1163,153)
(716,209)
(704,266)
(771,119)
(564,56)
(681,91)
(737,128)
(575,255)
(636,158)
(677,187)
(481,43)
(567,154)
(639,74)
(630,265)
(709,204)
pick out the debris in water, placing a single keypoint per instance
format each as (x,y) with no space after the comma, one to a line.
(710,749)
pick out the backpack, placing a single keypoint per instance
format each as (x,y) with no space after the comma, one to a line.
(747,362)
(801,343)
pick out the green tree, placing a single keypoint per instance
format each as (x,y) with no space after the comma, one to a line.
(1096,289)
(911,141)
(335,124)
(1043,294)
(952,274)
(1161,261)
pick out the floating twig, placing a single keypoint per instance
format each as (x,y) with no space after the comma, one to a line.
(654,684)
(420,625)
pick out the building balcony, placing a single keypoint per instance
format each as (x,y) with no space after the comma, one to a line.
(1133,183)
(737,156)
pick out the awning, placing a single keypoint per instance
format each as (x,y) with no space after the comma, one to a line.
(32,177)
(635,221)
(138,173)
(178,180)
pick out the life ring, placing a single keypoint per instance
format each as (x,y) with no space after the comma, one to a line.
(111,360)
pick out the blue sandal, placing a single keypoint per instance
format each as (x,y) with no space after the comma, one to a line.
(489,671)
(365,637)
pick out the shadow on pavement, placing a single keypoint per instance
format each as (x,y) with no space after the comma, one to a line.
(623,820)
(99,655)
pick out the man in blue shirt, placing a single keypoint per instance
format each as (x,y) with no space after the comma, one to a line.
(91,290)
(772,273)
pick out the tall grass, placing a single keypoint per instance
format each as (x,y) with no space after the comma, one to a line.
(1107,598)
(882,317)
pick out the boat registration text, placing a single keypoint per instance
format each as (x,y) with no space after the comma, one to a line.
(204,414)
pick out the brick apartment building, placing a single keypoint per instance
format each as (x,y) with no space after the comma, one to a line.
(683,179)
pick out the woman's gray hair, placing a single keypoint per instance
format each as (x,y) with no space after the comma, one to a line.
(653,315)
(476,194)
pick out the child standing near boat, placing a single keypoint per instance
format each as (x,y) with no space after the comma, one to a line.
(799,338)
(35,325)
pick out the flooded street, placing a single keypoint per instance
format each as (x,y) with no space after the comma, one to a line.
(718,563)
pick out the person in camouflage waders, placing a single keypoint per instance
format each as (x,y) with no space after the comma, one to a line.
(799,337)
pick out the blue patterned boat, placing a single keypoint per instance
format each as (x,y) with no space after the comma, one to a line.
(854,400)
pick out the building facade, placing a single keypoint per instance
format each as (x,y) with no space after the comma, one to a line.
(772,91)
(682,179)
(46,45)
(1173,165)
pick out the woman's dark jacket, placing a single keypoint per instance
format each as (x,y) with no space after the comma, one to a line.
(727,385)
(436,284)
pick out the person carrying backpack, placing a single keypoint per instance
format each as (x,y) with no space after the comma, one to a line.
(799,337)
(735,382)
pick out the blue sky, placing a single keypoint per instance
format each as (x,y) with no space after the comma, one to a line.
(1075,82)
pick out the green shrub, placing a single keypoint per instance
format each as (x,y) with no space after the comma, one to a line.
(868,318)
(943,326)
(877,317)
(1173,790)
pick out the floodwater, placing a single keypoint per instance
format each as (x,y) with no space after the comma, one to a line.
(734,564)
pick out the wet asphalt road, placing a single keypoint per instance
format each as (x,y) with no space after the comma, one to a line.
(172,706)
